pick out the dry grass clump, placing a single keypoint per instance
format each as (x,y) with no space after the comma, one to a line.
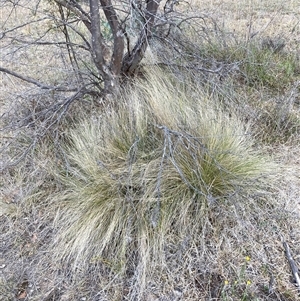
(165,174)
(161,196)
(168,195)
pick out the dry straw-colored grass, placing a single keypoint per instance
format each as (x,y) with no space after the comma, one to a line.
(257,19)
(162,196)
(166,195)
(182,191)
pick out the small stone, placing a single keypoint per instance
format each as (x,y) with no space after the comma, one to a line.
(177,292)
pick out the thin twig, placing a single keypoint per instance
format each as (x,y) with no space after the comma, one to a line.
(46,43)
(156,211)
(292,263)
(37,83)
(167,133)
(3,33)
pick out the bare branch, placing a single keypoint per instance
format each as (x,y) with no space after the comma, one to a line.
(3,33)
(293,266)
(70,48)
(112,18)
(96,35)
(33,42)
(77,9)
(80,34)
(132,60)
(37,83)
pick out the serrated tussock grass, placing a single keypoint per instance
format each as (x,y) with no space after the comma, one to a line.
(149,173)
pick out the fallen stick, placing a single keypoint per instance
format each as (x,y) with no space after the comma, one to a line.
(293,266)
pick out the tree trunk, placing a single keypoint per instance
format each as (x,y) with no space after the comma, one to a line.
(132,59)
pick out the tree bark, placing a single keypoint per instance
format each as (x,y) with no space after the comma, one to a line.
(118,51)
(97,47)
(133,59)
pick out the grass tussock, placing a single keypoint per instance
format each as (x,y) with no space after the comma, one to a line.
(164,194)
(167,193)
(150,174)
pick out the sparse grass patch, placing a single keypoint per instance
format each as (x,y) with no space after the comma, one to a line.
(204,46)
(260,64)
(269,68)
(6,289)
(275,128)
